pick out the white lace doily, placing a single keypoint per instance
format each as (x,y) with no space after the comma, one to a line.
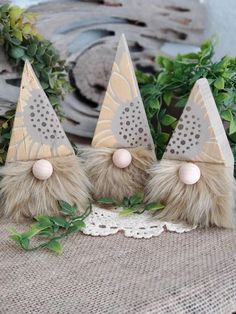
(103,222)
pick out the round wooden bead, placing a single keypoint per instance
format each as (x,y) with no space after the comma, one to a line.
(42,169)
(121,158)
(189,173)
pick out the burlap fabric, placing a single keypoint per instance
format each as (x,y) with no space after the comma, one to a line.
(194,272)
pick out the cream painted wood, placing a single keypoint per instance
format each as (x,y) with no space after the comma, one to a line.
(199,134)
(37,132)
(122,121)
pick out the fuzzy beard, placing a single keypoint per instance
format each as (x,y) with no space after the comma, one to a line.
(22,195)
(108,180)
(209,202)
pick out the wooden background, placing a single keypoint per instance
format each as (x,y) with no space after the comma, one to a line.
(86,34)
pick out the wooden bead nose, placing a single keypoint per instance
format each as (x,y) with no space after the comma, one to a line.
(121,158)
(189,173)
(42,169)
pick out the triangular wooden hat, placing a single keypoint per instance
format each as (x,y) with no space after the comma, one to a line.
(37,132)
(122,121)
(199,135)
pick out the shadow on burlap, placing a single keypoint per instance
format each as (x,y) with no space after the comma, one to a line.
(193,272)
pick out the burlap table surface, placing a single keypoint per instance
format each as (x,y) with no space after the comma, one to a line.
(194,272)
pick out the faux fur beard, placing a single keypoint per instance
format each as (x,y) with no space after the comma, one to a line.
(108,180)
(22,195)
(209,202)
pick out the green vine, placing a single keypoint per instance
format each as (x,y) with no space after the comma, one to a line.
(20,41)
(169,88)
(48,231)
(134,204)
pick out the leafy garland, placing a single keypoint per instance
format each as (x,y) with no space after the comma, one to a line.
(48,231)
(134,204)
(169,88)
(21,41)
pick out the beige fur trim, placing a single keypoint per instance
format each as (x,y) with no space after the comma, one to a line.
(211,201)
(22,195)
(110,181)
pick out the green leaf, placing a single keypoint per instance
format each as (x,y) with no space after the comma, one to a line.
(44,85)
(219,83)
(14,41)
(127,211)
(24,242)
(76,226)
(46,233)
(207,48)
(167,64)
(167,98)
(54,100)
(163,138)
(142,77)
(125,202)
(226,115)
(181,102)
(168,120)
(191,55)
(60,221)
(154,206)
(106,200)
(79,224)
(5,125)
(18,34)
(47,59)
(44,75)
(164,78)
(54,246)
(55,228)
(154,104)
(27,28)
(6,136)
(15,237)
(66,208)
(16,52)
(5,8)
(232,126)
(31,51)
(159,60)
(14,14)
(221,97)
(41,50)
(43,219)
(34,230)
(136,199)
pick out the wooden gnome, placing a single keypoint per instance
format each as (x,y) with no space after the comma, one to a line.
(195,178)
(122,146)
(41,167)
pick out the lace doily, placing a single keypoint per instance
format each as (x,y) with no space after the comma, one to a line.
(102,222)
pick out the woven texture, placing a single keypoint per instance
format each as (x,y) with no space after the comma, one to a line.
(193,272)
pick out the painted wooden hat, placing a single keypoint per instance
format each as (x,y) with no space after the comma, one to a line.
(37,132)
(122,121)
(199,135)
